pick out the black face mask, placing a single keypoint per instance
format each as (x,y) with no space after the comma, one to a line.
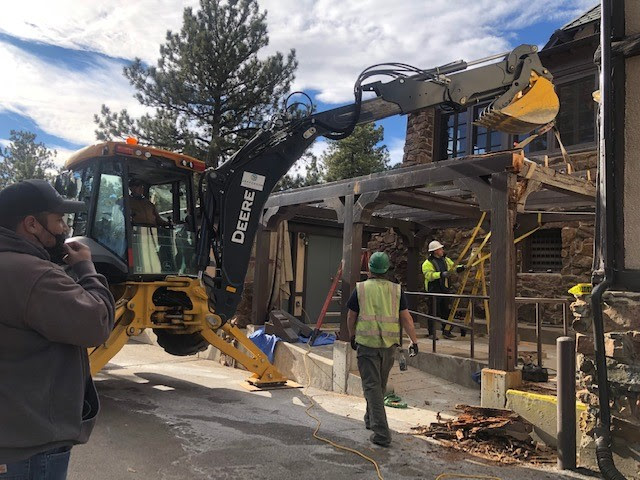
(57,252)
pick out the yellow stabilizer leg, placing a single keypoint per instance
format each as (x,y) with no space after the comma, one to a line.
(99,356)
(535,106)
(264,373)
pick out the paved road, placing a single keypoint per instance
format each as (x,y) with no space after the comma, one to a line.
(170,418)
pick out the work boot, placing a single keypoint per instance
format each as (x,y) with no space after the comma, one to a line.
(448,334)
(378,441)
(430,336)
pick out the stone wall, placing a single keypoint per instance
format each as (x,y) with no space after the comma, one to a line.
(419,143)
(577,255)
(621,312)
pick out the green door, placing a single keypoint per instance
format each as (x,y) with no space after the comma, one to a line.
(324,255)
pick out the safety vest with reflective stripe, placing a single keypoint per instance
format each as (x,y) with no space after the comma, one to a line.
(378,324)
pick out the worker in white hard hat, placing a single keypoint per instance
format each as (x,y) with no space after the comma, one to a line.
(437,270)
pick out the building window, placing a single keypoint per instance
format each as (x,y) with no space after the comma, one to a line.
(576,119)
(543,251)
(453,135)
(482,139)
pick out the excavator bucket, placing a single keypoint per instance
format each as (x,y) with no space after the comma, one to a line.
(531,108)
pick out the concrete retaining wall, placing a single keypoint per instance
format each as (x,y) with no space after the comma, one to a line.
(541,411)
(454,369)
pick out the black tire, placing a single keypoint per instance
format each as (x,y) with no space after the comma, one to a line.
(181,345)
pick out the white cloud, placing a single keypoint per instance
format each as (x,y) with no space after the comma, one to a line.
(334,40)
(61,154)
(396,150)
(118,28)
(60,101)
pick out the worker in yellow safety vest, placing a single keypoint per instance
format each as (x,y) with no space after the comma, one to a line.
(377,308)
(437,270)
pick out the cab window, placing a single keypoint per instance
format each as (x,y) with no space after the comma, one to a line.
(109,221)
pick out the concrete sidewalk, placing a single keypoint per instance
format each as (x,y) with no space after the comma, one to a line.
(174,418)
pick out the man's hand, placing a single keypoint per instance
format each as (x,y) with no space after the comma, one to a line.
(461,268)
(354,345)
(445,274)
(76,252)
(413,349)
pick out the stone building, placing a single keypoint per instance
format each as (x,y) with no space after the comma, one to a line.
(558,255)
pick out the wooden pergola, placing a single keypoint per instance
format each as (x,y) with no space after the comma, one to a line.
(416,199)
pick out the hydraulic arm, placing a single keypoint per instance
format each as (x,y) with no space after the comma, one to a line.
(522,98)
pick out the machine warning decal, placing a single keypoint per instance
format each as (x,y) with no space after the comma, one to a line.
(252,181)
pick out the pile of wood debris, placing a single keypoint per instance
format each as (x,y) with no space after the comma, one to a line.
(493,434)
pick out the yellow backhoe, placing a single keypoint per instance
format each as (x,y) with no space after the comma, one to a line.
(184,278)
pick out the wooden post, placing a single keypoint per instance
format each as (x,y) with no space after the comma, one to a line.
(261,292)
(414,267)
(502,330)
(351,254)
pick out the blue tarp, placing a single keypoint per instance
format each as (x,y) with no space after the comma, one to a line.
(323,339)
(265,342)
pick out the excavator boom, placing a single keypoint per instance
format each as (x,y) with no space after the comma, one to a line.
(522,98)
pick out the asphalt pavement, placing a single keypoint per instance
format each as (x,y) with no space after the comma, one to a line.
(170,418)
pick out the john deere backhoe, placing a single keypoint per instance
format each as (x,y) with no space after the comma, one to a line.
(160,275)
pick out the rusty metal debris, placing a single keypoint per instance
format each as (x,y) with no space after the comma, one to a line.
(493,434)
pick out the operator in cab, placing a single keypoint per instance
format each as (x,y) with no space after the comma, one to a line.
(143,211)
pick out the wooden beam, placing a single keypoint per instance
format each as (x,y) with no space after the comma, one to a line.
(432,203)
(399,179)
(502,328)
(553,179)
(351,254)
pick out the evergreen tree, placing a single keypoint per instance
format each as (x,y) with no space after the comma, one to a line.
(209,90)
(313,176)
(357,154)
(24,159)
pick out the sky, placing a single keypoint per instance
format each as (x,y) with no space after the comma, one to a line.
(62,60)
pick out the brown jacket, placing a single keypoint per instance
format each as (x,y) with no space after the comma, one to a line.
(47,321)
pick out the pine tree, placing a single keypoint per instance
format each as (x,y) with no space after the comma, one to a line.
(314,174)
(356,155)
(24,159)
(209,90)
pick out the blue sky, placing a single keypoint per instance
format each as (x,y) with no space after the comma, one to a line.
(63,59)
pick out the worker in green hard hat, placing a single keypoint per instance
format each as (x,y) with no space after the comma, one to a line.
(377,308)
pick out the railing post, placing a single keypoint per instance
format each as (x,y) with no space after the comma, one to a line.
(434,326)
(565,325)
(538,334)
(566,403)
(472,313)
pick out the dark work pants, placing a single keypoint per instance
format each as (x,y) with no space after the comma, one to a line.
(374,365)
(50,465)
(441,307)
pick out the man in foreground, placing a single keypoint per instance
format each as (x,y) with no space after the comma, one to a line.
(48,402)
(377,307)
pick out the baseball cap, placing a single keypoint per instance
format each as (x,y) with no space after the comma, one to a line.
(35,196)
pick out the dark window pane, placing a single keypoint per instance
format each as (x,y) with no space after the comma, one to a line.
(576,119)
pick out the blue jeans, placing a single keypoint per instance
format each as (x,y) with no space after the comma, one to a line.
(49,465)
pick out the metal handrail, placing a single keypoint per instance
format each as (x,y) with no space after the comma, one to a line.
(565,301)
(523,300)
